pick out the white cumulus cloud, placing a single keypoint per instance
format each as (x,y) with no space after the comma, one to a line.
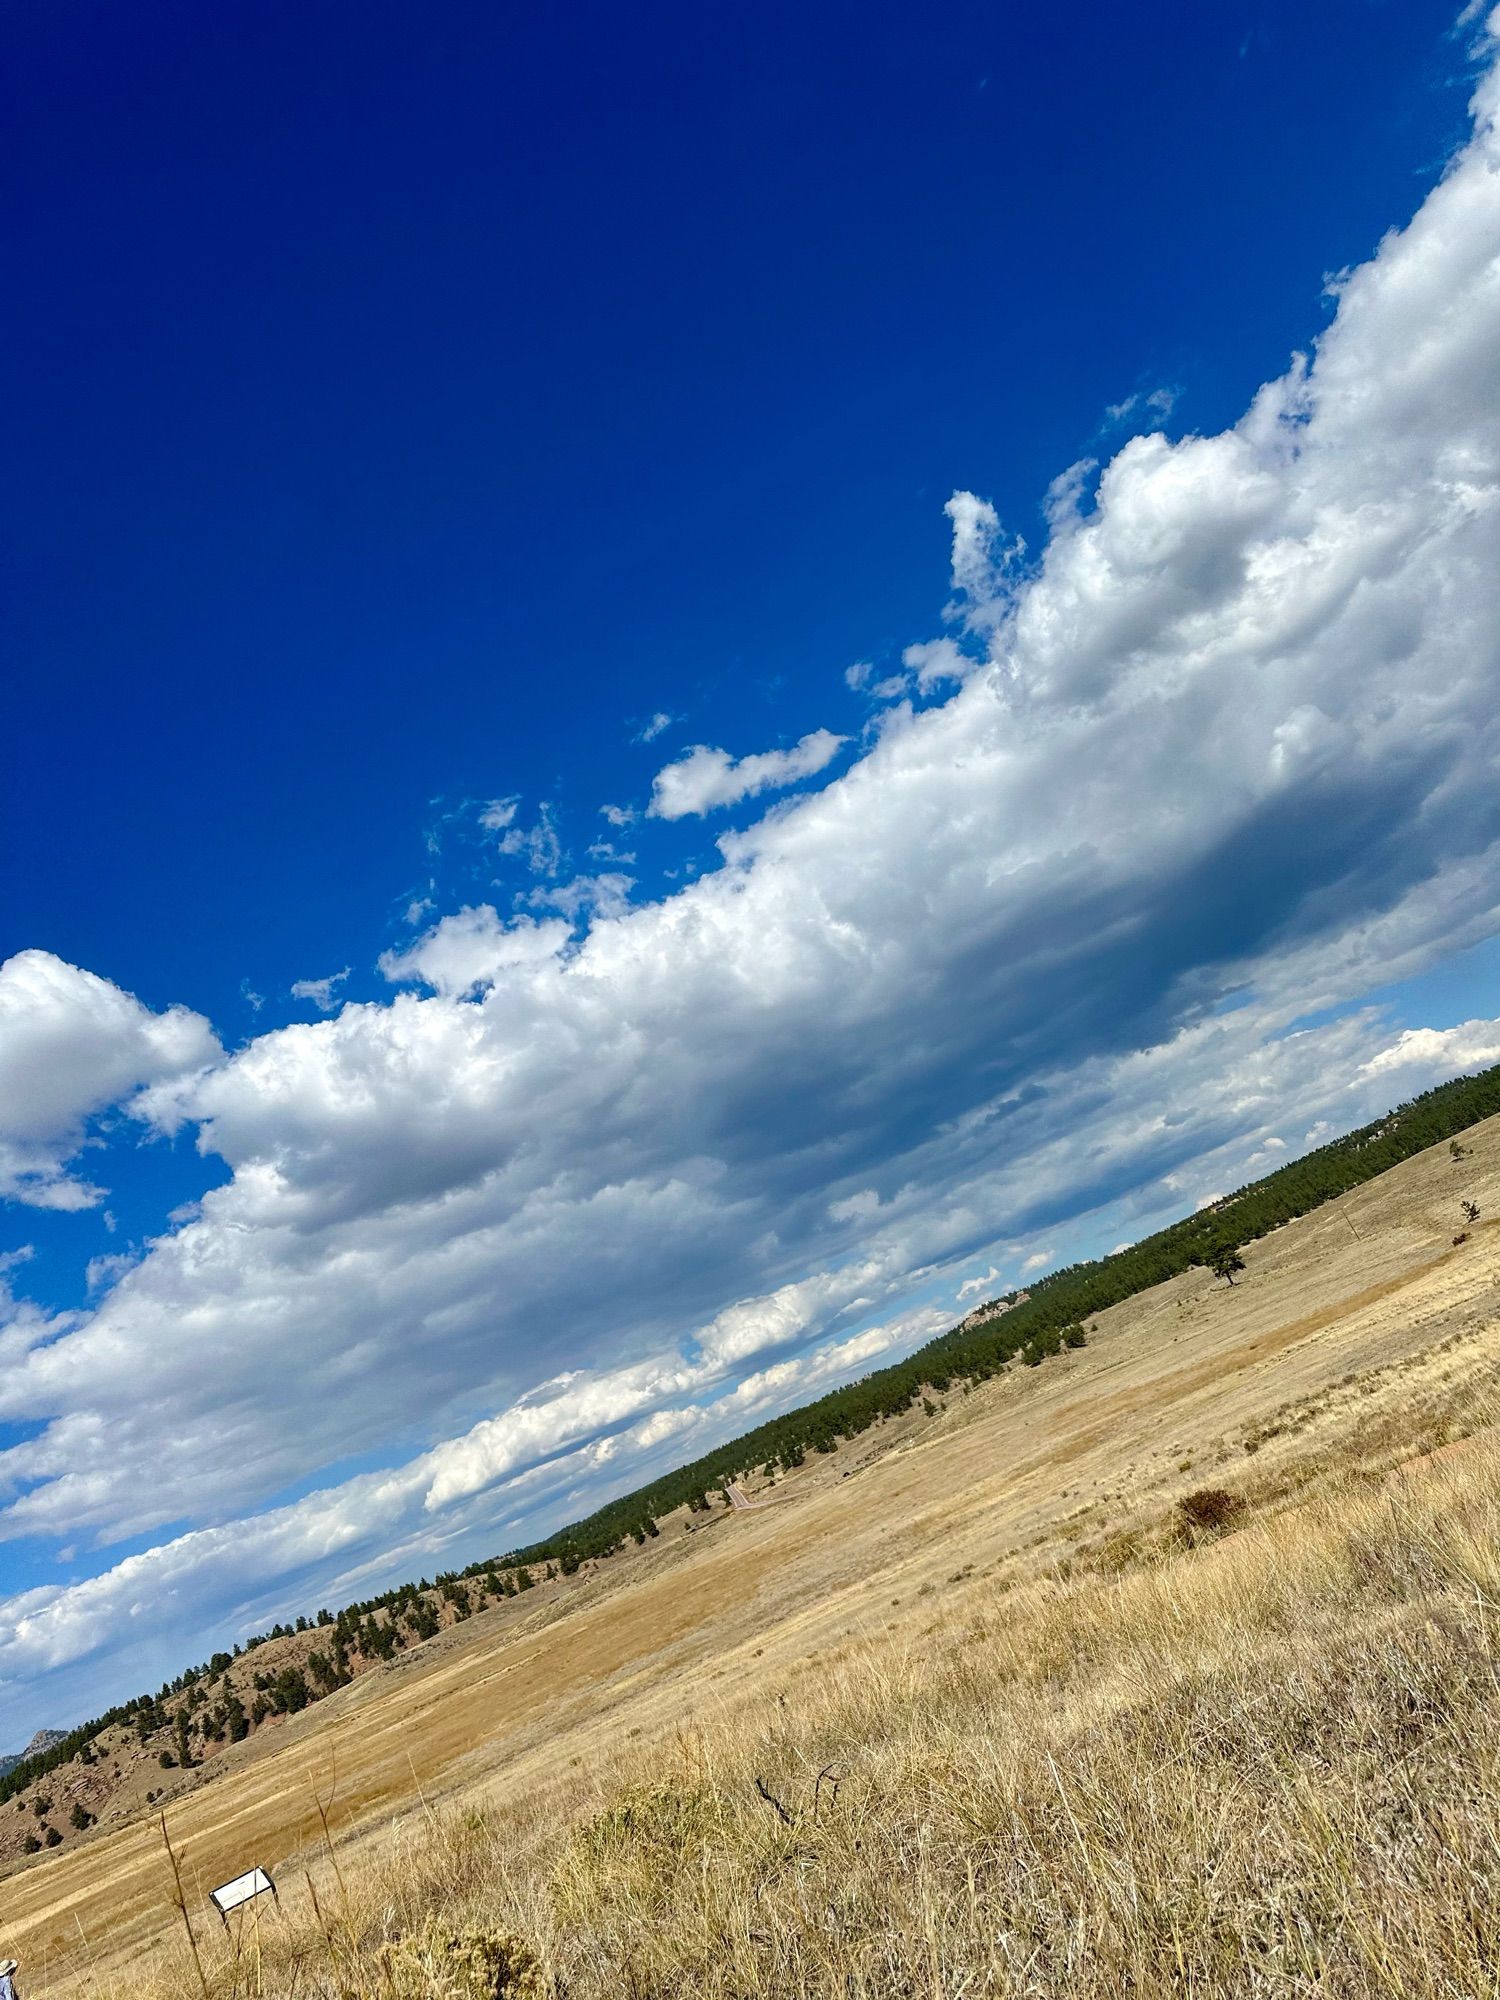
(471,948)
(73,1045)
(1435,1052)
(703,779)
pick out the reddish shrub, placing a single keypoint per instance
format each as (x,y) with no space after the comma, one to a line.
(1209,1508)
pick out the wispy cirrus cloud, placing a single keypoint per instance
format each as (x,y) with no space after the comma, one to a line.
(322,992)
(1152,406)
(538,845)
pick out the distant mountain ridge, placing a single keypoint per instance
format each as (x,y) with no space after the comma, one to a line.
(43,1740)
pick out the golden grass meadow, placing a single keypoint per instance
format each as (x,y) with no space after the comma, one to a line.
(1169,1668)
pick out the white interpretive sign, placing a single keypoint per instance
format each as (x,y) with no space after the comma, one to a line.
(243,1889)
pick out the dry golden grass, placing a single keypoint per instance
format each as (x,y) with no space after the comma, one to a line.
(986,1718)
(1265,1764)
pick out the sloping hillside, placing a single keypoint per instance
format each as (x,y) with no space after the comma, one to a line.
(155,1747)
(161,1747)
(1359,1337)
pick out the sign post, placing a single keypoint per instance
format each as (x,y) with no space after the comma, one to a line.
(243,1889)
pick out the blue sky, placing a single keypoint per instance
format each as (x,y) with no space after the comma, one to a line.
(500,466)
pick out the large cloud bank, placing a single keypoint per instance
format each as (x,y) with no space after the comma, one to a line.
(572,1204)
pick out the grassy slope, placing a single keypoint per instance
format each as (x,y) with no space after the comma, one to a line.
(1035,1324)
(1261,1765)
(58,1797)
(1075,1754)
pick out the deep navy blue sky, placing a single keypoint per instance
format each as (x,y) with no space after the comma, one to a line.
(402,405)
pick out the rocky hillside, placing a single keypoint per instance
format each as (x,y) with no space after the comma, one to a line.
(44,1740)
(161,1745)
